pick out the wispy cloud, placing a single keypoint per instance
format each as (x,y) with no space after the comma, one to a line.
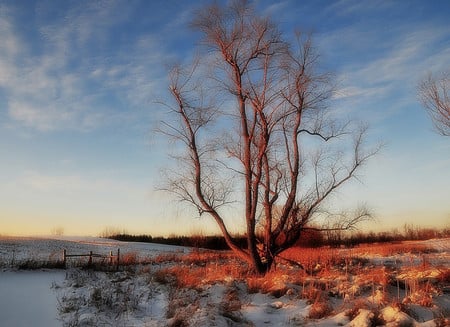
(43,119)
(404,63)
(9,49)
(348,7)
(47,183)
(276,8)
(73,183)
(392,62)
(71,78)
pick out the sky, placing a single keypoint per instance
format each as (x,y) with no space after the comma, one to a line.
(81,82)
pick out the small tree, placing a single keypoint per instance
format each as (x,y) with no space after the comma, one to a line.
(434,96)
(253,117)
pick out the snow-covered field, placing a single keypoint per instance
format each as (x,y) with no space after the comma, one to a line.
(176,286)
(27,299)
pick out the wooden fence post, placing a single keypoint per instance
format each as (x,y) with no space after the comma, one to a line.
(91,255)
(118,259)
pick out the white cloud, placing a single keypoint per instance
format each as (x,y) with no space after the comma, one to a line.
(356,92)
(43,119)
(276,8)
(9,49)
(7,72)
(47,183)
(10,46)
(73,80)
(401,60)
(378,67)
(64,184)
(349,7)
(404,63)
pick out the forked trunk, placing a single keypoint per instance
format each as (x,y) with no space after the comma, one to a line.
(261,265)
(270,95)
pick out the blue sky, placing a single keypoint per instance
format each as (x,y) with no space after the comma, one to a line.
(80,81)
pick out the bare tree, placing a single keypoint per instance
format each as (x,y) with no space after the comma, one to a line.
(434,95)
(253,116)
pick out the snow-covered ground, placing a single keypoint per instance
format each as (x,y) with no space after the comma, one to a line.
(403,289)
(27,298)
(19,249)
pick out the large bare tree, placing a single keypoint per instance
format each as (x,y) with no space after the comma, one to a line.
(434,95)
(259,137)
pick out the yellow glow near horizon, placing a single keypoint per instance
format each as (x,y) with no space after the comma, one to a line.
(25,225)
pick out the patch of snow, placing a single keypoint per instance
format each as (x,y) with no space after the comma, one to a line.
(136,299)
(363,319)
(394,317)
(263,310)
(27,298)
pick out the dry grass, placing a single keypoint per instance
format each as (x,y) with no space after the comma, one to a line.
(166,257)
(321,307)
(274,282)
(325,269)
(356,306)
(339,277)
(185,299)
(390,249)
(129,258)
(193,271)
(309,258)
(444,276)
(328,274)
(199,257)
(329,262)
(231,302)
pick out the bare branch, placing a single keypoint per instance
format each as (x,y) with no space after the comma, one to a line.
(272,102)
(434,96)
(344,221)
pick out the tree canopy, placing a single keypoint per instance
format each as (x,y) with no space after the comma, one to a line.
(253,116)
(434,95)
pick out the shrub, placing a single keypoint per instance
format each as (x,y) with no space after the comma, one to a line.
(321,307)
(129,258)
(32,264)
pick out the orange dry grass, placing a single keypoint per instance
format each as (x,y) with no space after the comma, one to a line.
(201,257)
(309,258)
(273,282)
(129,258)
(323,269)
(207,267)
(196,257)
(194,275)
(377,275)
(389,249)
(320,308)
(328,257)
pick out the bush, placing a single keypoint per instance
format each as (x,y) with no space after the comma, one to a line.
(320,308)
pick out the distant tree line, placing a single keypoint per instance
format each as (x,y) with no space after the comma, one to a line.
(213,242)
(310,238)
(409,233)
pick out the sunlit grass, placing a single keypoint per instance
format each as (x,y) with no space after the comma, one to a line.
(325,281)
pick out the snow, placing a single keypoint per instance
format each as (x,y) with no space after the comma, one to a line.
(363,319)
(395,317)
(14,250)
(264,310)
(27,298)
(138,297)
